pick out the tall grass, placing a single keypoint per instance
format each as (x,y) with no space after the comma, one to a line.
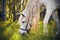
(9,31)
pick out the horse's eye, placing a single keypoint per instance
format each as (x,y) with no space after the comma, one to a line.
(23,22)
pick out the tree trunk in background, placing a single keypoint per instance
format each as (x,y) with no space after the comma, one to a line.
(13,11)
(10,9)
(3,10)
(22,4)
(19,6)
(1,16)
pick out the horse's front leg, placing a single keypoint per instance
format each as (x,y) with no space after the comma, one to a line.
(46,19)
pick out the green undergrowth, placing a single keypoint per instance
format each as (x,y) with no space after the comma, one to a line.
(9,31)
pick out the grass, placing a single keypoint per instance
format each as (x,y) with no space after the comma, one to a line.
(9,31)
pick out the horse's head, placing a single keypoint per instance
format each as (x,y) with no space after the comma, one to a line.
(24,23)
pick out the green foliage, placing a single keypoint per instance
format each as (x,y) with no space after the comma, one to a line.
(9,31)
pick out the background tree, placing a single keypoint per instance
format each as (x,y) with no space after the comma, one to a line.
(1,17)
(9,9)
(3,10)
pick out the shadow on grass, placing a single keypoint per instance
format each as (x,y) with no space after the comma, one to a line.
(6,31)
(2,29)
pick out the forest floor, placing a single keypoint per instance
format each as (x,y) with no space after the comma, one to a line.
(9,31)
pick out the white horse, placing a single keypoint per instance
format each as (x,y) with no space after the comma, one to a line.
(26,19)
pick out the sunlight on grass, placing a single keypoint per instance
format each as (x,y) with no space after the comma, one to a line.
(10,32)
(15,36)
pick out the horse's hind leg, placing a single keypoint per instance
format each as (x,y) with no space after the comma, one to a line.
(55,17)
(59,13)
